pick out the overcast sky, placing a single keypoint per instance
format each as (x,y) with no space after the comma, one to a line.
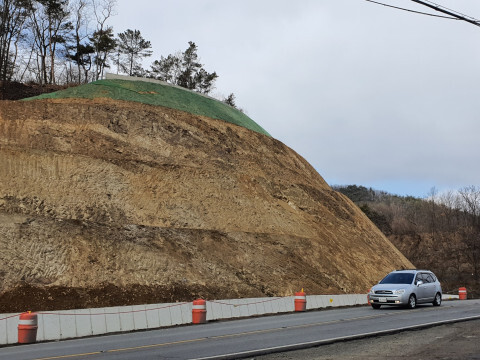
(368,95)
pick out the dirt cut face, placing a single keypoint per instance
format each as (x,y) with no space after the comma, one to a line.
(104,194)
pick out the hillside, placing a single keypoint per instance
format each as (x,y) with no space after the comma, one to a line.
(106,202)
(439,233)
(159,93)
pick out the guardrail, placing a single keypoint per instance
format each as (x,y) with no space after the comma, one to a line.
(66,324)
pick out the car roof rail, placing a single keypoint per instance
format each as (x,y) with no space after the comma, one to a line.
(409,270)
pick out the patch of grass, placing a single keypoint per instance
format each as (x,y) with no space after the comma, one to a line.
(160,95)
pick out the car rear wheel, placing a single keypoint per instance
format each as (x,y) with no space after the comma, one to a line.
(412,302)
(438,300)
(376,306)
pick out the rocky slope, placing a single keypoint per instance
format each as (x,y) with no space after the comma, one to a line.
(105,202)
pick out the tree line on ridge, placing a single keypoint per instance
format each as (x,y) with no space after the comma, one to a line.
(440,232)
(68,42)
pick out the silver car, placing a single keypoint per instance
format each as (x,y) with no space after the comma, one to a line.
(406,288)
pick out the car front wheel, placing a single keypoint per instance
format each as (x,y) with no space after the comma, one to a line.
(438,300)
(376,306)
(412,302)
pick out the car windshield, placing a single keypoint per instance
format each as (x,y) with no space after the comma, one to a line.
(397,278)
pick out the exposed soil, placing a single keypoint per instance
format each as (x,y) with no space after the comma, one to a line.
(34,298)
(16,91)
(444,256)
(105,203)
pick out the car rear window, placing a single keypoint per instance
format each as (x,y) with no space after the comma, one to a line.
(397,278)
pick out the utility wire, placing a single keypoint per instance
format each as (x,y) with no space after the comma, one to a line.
(454,15)
(448,11)
(413,11)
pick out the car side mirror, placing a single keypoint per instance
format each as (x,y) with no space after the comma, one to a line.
(419,282)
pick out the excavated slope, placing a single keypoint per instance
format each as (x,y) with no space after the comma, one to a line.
(106,202)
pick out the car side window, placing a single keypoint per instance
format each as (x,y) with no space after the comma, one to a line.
(418,278)
(430,278)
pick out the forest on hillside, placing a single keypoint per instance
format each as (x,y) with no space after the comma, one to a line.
(70,42)
(440,232)
(55,41)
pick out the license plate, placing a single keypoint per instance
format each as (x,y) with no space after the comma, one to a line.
(382,299)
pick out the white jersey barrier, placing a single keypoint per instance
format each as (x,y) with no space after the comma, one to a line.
(66,324)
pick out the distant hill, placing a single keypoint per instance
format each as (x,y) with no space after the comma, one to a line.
(441,233)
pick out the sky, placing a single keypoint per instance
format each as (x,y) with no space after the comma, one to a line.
(368,95)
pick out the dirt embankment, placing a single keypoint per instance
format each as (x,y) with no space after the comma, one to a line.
(12,90)
(445,254)
(150,204)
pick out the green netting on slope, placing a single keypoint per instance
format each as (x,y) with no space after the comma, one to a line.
(157,94)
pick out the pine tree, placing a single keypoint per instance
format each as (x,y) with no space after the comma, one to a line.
(104,43)
(133,47)
(185,70)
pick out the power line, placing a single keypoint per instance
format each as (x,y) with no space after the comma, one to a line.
(413,11)
(454,15)
(448,11)
(444,7)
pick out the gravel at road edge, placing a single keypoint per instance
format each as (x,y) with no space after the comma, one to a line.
(452,341)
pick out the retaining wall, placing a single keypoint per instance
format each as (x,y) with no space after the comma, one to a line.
(65,324)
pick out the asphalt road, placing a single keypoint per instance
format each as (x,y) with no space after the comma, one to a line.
(249,337)
(446,342)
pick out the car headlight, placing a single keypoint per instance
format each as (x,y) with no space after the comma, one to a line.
(372,291)
(399,292)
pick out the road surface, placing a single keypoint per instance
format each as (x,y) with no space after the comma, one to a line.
(447,342)
(249,337)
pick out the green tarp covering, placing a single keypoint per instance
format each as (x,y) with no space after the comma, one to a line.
(157,94)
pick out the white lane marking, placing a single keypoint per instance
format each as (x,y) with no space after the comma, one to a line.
(304,345)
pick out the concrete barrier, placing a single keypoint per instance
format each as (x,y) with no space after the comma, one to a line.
(66,324)
(153,318)
(450,297)
(8,328)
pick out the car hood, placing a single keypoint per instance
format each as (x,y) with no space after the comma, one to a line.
(390,286)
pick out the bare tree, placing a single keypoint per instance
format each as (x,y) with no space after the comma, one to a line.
(13,16)
(103,38)
(432,195)
(80,52)
(39,29)
(470,196)
(450,207)
(55,40)
(50,28)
